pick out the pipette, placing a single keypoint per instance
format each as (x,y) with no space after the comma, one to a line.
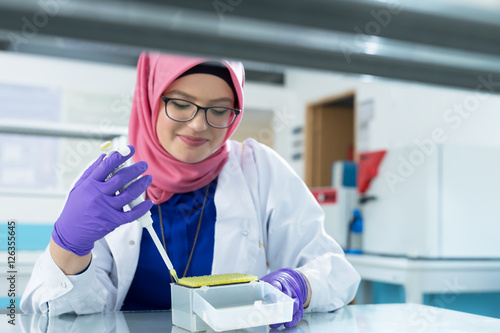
(146,220)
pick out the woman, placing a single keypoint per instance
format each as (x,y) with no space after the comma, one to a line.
(218,206)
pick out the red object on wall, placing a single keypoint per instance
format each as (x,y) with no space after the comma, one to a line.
(325,195)
(368,168)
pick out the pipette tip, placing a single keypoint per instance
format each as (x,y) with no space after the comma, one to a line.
(174,275)
(105,145)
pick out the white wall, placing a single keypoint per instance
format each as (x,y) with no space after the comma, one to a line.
(404,113)
(65,74)
(282,102)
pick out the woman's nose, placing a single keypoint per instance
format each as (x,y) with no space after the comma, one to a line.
(198,123)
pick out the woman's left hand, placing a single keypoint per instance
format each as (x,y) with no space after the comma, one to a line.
(293,284)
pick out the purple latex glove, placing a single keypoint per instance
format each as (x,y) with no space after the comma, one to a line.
(293,284)
(92,209)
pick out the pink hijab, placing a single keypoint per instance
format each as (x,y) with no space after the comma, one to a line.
(155,72)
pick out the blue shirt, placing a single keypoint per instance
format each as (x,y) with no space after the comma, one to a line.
(150,288)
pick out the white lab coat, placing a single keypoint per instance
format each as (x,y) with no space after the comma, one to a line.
(267,219)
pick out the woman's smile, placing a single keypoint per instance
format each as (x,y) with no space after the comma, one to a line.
(192,141)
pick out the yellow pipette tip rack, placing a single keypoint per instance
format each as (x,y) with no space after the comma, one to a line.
(215,280)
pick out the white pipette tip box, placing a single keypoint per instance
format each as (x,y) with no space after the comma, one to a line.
(229,307)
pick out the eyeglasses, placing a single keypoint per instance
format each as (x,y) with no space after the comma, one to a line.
(217,116)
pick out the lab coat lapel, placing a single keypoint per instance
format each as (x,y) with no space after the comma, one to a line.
(236,230)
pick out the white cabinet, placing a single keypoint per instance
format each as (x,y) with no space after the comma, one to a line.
(438,203)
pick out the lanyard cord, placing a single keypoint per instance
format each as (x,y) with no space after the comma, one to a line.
(195,237)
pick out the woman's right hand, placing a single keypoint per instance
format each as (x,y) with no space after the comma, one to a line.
(92,209)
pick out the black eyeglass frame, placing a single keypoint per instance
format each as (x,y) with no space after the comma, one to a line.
(166,99)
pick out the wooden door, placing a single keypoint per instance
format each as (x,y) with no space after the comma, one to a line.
(330,136)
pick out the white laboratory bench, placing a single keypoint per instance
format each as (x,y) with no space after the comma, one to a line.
(381,318)
(427,276)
